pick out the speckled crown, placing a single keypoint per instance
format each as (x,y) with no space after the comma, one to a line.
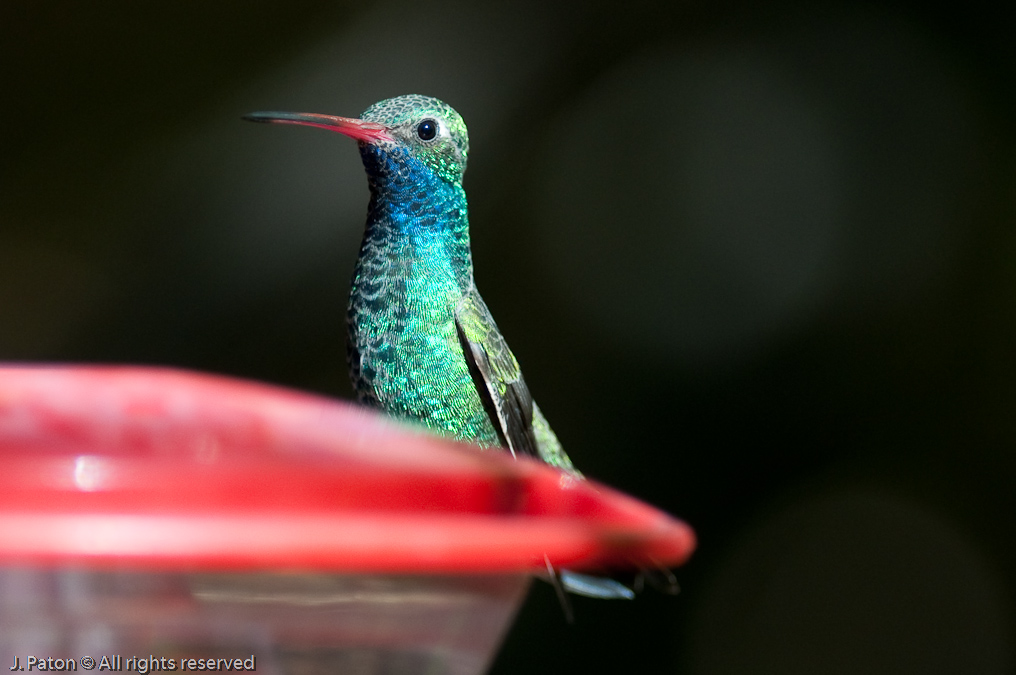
(401,109)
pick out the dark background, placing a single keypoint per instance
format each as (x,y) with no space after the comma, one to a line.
(758,261)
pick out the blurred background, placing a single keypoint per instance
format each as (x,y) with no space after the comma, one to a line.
(758,261)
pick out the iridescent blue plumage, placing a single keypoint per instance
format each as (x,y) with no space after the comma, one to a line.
(422,344)
(413,270)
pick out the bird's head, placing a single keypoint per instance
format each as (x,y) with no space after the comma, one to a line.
(424,128)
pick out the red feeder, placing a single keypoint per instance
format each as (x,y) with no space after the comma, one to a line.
(168,517)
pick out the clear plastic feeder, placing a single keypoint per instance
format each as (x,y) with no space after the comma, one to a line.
(172,518)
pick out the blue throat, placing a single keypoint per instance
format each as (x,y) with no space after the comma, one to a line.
(414,268)
(415,213)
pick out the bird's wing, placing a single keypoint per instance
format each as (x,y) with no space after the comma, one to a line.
(497,376)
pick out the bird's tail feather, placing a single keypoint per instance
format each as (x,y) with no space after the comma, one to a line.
(594,587)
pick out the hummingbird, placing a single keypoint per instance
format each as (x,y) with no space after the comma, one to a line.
(422,345)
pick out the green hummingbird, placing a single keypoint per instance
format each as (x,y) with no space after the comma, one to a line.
(422,344)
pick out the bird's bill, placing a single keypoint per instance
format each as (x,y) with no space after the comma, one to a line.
(361,130)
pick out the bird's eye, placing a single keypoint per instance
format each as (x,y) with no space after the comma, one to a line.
(427,130)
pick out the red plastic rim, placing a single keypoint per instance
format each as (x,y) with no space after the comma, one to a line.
(156,468)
